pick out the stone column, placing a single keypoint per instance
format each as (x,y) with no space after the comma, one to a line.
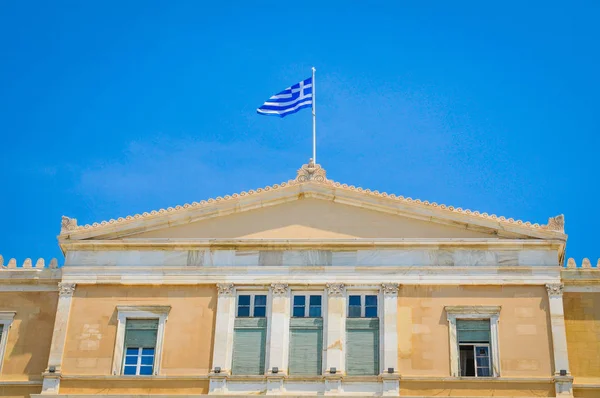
(563,383)
(223,342)
(279,341)
(335,351)
(53,372)
(391,381)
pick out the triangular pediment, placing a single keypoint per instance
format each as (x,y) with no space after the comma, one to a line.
(312,219)
(312,206)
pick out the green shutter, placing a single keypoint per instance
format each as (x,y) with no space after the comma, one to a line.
(473,331)
(249,346)
(141,333)
(362,346)
(306,346)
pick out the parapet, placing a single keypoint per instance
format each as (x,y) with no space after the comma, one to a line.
(586,263)
(27,264)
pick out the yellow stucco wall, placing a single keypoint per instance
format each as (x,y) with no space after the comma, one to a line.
(138,387)
(188,337)
(524,332)
(475,389)
(312,218)
(29,337)
(582,321)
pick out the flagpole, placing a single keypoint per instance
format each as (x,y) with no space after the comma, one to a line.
(314,114)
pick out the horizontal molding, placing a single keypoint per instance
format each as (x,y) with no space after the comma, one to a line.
(477,379)
(310,275)
(133,378)
(20,383)
(282,244)
(582,289)
(21,287)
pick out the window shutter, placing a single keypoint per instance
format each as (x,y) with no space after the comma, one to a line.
(249,346)
(141,333)
(473,331)
(362,347)
(306,346)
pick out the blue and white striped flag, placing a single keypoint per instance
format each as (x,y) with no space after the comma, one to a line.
(290,100)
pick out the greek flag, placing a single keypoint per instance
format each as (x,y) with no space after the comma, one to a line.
(290,100)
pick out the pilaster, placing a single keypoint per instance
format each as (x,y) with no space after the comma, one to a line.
(279,341)
(223,343)
(391,381)
(335,354)
(564,382)
(51,383)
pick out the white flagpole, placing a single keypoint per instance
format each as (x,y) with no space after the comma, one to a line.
(314,100)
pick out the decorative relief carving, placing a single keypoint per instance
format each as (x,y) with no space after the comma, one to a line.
(336,289)
(225,289)
(389,288)
(555,289)
(68,224)
(311,172)
(66,289)
(279,289)
(556,223)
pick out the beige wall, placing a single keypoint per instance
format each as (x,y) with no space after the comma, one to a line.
(28,344)
(189,330)
(524,333)
(19,391)
(140,387)
(475,389)
(582,319)
(312,218)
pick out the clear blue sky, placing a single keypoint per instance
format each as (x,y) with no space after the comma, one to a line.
(115,108)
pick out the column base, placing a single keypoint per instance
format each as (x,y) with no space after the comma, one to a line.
(275,384)
(217,383)
(51,383)
(391,384)
(563,386)
(333,385)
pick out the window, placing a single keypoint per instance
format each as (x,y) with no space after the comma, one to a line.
(138,346)
(252,306)
(250,335)
(474,346)
(362,306)
(6,319)
(307,305)
(474,341)
(306,334)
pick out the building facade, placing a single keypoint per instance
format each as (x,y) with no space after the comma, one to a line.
(309,287)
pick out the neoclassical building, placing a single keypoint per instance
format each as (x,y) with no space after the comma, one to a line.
(308,287)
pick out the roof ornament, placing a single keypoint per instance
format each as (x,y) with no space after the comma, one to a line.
(311,172)
(68,224)
(556,223)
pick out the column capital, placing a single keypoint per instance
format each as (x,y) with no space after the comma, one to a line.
(225,289)
(336,289)
(279,289)
(66,289)
(554,289)
(389,288)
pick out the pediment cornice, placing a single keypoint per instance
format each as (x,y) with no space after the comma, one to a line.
(311,182)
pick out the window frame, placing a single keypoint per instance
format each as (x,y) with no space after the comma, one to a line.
(160,312)
(6,320)
(490,313)
(363,303)
(307,294)
(252,295)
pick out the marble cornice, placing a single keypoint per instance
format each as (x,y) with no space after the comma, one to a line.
(349,276)
(312,244)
